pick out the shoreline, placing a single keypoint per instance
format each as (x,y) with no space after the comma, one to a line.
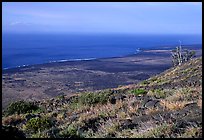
(44,81)
(69,60)
(156,49)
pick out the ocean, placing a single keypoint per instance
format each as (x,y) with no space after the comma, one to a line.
(28,49)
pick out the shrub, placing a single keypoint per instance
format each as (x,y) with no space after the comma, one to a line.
(36,124)
(162,131)
(39,110)
(70,132)
(159,93)
(20,107)
(138,91)
(94,98)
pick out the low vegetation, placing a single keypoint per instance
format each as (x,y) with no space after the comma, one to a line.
(38,124)
(20,107)
(138,91)
(168,105)
(93,98)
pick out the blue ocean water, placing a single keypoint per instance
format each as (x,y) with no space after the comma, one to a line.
(28,49)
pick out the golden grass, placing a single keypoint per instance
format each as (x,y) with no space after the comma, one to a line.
(60,117)
(192,132)
(178,96)
(157,132)
(173,105)
(151,111)
(12,119)
(199,103)
(109,127)
(132,110)
(121,110)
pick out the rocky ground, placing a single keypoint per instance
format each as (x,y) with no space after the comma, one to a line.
(168,105)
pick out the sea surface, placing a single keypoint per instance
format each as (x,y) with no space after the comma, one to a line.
(28,49)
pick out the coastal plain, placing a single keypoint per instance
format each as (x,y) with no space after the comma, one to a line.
(45,81)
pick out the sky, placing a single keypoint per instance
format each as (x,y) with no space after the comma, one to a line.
(102,17)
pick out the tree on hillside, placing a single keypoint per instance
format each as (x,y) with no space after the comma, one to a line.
(180,55)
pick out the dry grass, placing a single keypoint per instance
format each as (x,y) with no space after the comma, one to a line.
(192,132)
(199,103)
(12,120)
(107,110)
(152,111)
(173,105)
(60,116)
(122,115)
(177,96)
(132,110)
(110,127)
(162,130)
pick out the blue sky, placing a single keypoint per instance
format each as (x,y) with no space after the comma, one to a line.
(102,17)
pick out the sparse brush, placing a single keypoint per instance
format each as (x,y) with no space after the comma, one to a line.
(109,128)
(200,103)
(178,96)
(192,132)
(173,105)
(70,132)
(138,91)
(162,131)
(122,115)
(35,124)
(91,98)
(150,111)
(12,120)
(20,107)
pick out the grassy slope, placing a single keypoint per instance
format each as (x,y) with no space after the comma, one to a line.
(166,105)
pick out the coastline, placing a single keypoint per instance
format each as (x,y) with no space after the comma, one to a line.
(156,50)
(42,81)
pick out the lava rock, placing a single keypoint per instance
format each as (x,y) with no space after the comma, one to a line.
(151,103)
(113,100)
(10,132)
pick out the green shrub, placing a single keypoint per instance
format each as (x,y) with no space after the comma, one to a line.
(94,98)
(20,107)
(159,93)
(138,91)
(36,124)
(70,132)
(39,110)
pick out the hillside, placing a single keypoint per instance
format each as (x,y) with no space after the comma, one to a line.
(163,106)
